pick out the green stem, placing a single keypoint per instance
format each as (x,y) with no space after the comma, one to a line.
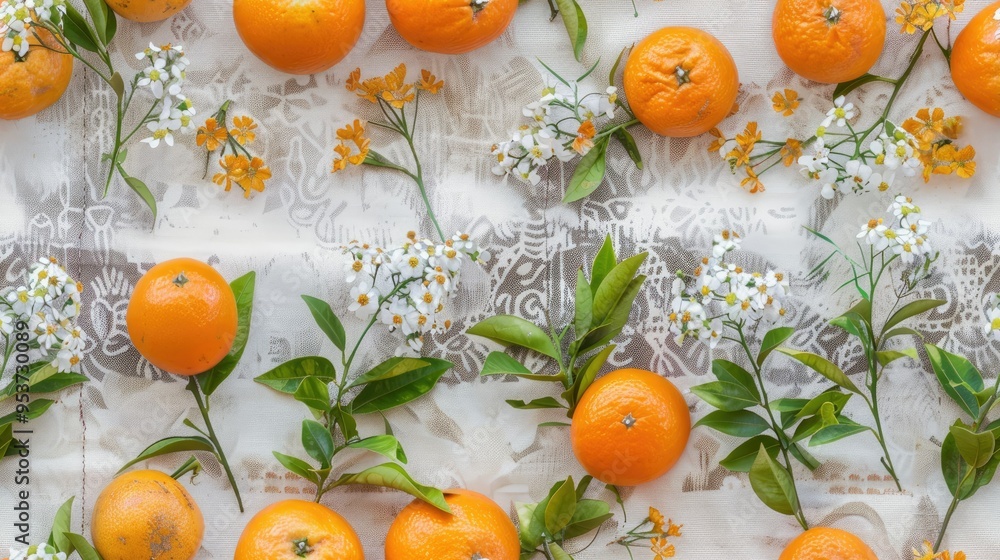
(613,129)
(947,519)
(419,178)
(880,435)
(191,464)
(196,391)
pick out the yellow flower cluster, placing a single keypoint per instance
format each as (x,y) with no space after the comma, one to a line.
(934,135)
(914,15)
(663,528)
(928,554)
(351,134)
(239,166)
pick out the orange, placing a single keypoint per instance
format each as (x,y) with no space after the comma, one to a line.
(630,427)
(476,528)
(182,317)
(681,81)
(300,36)
(450,26)
(829,41)
(975,60)
(825,543)
(36,83)
(147,10)
(296,529)
(148,515)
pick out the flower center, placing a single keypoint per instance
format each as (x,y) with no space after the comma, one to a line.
(363,299)
(414,261)
(357,266)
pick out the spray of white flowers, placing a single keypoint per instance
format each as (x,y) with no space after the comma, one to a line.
(42,314)
(992,304)
(720,293)
(38,552)
(164,77)
(406,287)
(17,18)
(562,126)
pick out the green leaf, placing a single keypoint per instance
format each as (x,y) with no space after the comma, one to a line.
(772,484)
(393,367)
(844,88)
(886,357)
(901,331)
(829,434)
(36,409)
(561,507)
(170,445)
(287,377)
(507,330)
(544,402)
(318,442)
(384,445)
(327,321)
(391,475)
(576,25)
(111,27)
(6,438)
(617,320)
(589,515)
(297,466)
(243,289)
(315,394)
(57,382)
(60,526)
(838,399)
(389,393)
(588,373)
(348,425)
(137,185)
(912,309)
(584,316)
(604,262)
(530,535)
(807,428)
(498,363)
(625,138)
(725,396)
(117,84)
(772,340)
(804,457)
(554,424)
(741,423)
(615,286)
(83,547)
(98,11)
(589,172)
(78,31)
(976,448)
(824,367)
(732,373)
(558,553)
(954,468)
(742,458)
(788,405)
(613,75)
(958,377)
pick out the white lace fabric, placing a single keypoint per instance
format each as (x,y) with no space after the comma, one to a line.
(463,434)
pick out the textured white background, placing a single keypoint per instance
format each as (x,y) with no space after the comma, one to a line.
(463,434)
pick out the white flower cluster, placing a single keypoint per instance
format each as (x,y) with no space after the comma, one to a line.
(562,126)
(906,235)
(992,304)
(724,295)
(165,76)
(48,305)
(38,552)
(407,286)
(17,17)
(873,169)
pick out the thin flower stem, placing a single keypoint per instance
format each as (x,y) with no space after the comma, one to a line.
(203,407)
(139,126)
(419,178)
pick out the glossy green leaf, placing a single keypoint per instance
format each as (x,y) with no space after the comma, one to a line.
(530,535)
(725,396)
(976,448)
(287,377)
(583,318)
(844,88)
(98,11)
(386,445)
(615,286)
(396,391)
(318,442)
(807,428)
(498,363)
(589,172)
(243,289)
(604,262)
(613,74)
(838,399)
(901,331)
(560,508)
(346,422)
(589,515)
(730,372)
(558,553)
(297,466)
(137,185)
(824,367)
(803,456)
(589,372)
(912,309)
(391,475)
(836,432)
(315,394)
(617,320)
(60,526)
(742,458)
(170,445)
(958,377)
(788,405)
(576,25)
(955,468)
(544,402)
(772,340)
(77,30)
(511,330)
(83,547)
(57,382)
(327,321)
(36,409)
(393,367)
(741,423)
(772,484)
(6,439)
(625,138)
(886,357)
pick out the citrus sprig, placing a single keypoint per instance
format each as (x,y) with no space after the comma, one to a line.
(565,514)
(601,311)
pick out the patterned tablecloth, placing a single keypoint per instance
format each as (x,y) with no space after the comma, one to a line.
(463,434)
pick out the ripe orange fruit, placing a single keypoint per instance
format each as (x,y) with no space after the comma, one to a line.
(182,317)
(825,543)
(296,529)
(975,60)
(146,514)
(450,26)
(36,83)
(300,37)
(147,10)
(829,41)
(681,81)
(476,528)
(630,427)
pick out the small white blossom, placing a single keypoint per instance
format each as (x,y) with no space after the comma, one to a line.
(992,327)
(840,113)
(830,179)
(861,177)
